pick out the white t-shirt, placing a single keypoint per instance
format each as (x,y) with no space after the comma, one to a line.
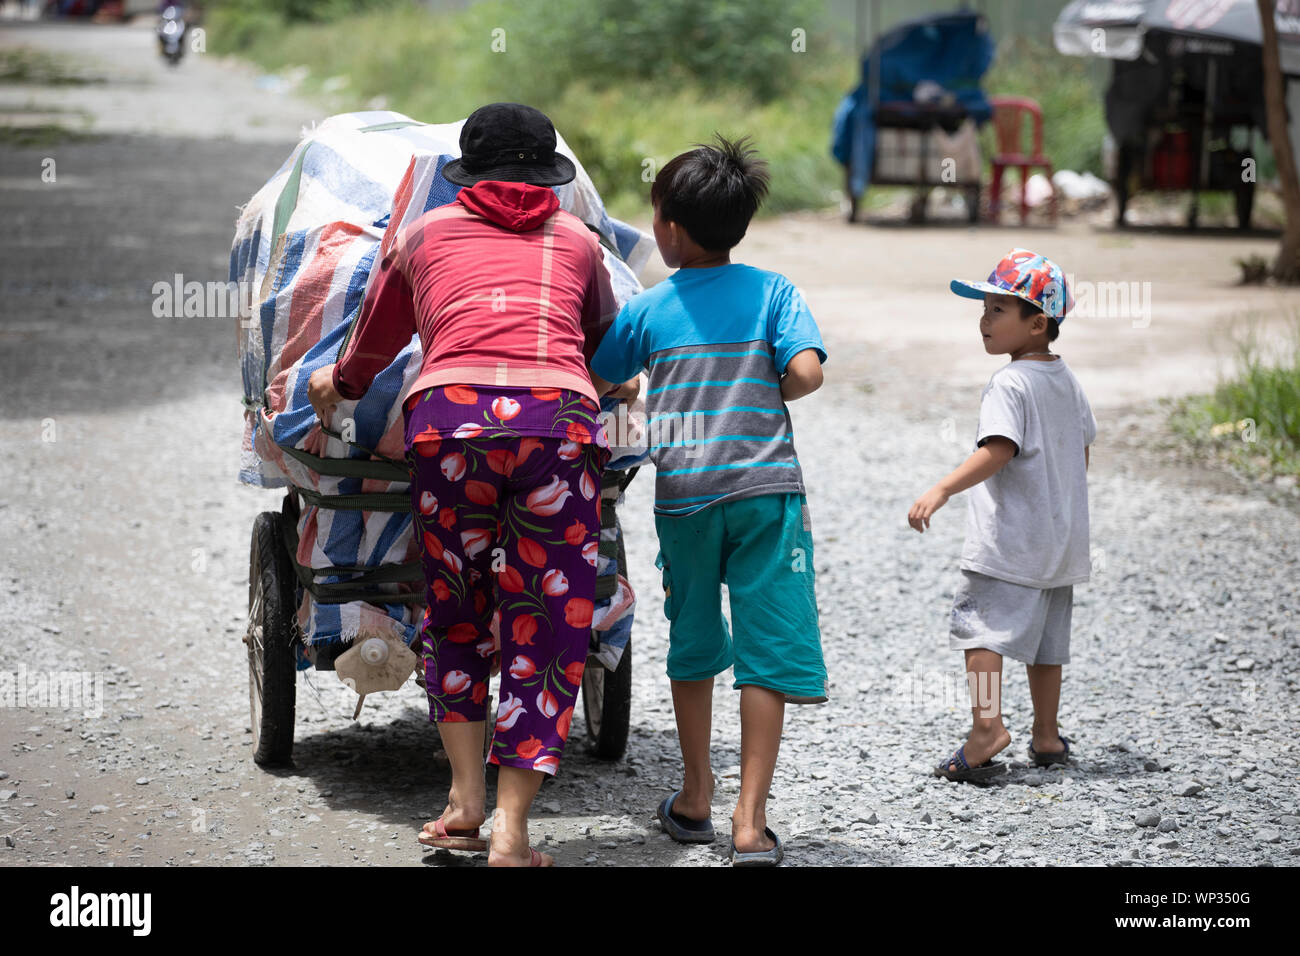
(1028,524)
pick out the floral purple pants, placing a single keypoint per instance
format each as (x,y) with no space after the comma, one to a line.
(508,531)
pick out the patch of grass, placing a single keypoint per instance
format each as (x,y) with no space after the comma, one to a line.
(24,136)
(24,65)
(1251,420)
(624,124)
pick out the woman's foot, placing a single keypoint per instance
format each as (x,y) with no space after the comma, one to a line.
(460,823)
(510,844)
(982,745)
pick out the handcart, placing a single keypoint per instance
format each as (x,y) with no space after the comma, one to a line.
(276,582)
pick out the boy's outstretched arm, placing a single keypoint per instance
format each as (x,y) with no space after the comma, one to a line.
(803,375)
(983,464)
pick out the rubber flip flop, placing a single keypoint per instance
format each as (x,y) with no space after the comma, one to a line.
(444,839)
(772,857)
(680,828)
(965,773)
(1050,759)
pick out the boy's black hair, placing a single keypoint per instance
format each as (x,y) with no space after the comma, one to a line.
(713,191)
(1028,310)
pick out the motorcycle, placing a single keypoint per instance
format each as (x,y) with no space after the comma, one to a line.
(172,32)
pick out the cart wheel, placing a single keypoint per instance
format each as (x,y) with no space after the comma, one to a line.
(272,670)
(607,704)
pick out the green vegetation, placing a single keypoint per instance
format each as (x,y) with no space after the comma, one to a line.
(1074,120)
(628,85)
(1252,420)
(24,65)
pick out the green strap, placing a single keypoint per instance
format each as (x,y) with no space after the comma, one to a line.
(360,588)
(381,501)
(349,467)
(284,206)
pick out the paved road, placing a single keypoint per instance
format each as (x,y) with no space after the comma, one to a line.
(124,542)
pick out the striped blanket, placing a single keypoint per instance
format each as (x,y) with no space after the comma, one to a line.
(304,253)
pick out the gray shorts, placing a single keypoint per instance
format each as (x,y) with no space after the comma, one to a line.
(1030,625)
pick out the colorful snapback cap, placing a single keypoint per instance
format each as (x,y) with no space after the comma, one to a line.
(1028,276)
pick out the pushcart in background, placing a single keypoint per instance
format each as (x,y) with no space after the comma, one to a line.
(1186,95)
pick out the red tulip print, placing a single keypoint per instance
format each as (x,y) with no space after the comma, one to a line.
(576,431)
(427,443)
(509,712)
(522,667)
(475,540)
(479,693)
(577,612)
(486,647)
(547,703)
(575,533)
(480,602)
(563,723)
(451,717)
(548,500)
(532,552)
(587,485)
(529,748)
(432,546)
(505,408)
(428,503)
(524,628)
(555,583)
(569,450)
(573,673)
(441,591)
(547,763)
(455,682)
(501,460)
(510,580)
(546,394)
(463,633)
(452,562)
(453,466)
(467,430)
(480,492)
(461,394)
(589,552)
(526,447)
(447,517)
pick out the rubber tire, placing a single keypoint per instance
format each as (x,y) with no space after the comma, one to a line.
(609,741)
(270,573)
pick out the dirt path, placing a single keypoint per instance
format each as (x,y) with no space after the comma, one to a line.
(124,539)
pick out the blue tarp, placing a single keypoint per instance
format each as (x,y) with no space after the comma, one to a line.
(953,50)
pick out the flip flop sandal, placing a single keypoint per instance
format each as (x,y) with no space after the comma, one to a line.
(1050,759)
(965,773)
(443,839)
(772,857)
(680,828)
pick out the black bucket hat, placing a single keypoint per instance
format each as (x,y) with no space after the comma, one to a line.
(510,142)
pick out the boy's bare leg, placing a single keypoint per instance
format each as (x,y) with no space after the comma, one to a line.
(693,707)
(516,788)
(988,735)
(762,715)
(1045,692)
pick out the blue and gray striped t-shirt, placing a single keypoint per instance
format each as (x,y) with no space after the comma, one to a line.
(715,343)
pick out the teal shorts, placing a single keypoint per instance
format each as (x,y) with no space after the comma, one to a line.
(761,548)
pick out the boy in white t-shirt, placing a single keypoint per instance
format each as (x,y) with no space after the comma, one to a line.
(1027,519)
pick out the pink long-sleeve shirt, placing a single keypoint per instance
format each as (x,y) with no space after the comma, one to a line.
(503,287)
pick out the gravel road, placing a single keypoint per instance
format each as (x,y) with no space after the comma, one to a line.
(124,549)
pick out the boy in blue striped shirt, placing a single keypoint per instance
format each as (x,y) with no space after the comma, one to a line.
(726,346)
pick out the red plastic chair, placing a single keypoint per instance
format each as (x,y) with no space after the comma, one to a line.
(1009,124)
